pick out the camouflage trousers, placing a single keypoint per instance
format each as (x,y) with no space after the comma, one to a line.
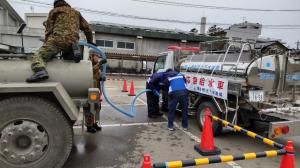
(90,118)
(48,51)
(44,54)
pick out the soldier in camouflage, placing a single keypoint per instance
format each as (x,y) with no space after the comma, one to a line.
(61,34)
(91,124)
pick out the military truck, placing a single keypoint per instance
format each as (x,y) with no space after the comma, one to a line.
(244,86)
(36,119)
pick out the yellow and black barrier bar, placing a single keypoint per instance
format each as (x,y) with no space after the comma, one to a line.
(249,133)
(219,159)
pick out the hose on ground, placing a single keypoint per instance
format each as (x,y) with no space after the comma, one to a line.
(129,113)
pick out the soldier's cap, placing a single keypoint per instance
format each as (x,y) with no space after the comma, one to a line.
(93,51)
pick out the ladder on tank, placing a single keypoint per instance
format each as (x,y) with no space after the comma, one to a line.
(233,66)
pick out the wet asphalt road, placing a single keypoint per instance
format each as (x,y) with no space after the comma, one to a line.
(123,146)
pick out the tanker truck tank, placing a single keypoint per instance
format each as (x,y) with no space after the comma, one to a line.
(275,74)
(208,62)
(76,78)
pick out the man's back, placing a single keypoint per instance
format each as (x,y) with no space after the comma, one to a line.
(65,23)
(61,35)
(176,82)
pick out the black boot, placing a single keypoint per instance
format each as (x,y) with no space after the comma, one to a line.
(91,129)
(159,114)
(97,127)
(39,75)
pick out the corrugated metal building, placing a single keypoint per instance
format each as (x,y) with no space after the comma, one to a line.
(127,42)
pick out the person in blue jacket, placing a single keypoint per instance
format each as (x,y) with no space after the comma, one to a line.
(177,93)
(154,83)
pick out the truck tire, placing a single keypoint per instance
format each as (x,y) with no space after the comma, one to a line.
(33,133)
(216,126)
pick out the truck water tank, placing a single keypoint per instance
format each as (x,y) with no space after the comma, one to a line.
(75,77)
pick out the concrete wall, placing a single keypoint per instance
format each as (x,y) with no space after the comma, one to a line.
(31,44)
(244,31)
(6,19)
(8,33)
(32,37)
(35,20)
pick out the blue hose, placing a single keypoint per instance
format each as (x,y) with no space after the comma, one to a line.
(103,56)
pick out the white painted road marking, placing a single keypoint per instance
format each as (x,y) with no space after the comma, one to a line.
(192,136)
(107,105)
(128,124)
(142,101)
(196,139)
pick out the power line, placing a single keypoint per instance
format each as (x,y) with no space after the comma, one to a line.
(32,4)
(91,11)
(180,4)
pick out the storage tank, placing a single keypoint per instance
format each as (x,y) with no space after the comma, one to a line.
(75,77)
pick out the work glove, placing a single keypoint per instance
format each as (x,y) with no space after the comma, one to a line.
(94,44)
(102,78)
(155,92)
(77,53)
(103,61)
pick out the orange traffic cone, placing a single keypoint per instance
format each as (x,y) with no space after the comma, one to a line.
(124,86)
(146,162)
(288,160)
(131,91)
(206,146)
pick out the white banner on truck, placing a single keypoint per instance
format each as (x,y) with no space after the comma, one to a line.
(206,84)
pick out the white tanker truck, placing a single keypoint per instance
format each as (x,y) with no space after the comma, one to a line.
(36,119)
(245,88)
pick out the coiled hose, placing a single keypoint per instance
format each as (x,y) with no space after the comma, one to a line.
(103,56)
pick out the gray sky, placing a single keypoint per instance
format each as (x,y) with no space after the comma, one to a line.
(130,7)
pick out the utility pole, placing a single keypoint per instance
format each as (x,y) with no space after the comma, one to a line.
(298,44)
(20,31)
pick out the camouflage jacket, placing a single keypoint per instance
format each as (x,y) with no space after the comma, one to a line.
(64,24)
(97,71)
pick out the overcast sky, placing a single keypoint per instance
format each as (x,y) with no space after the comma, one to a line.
(131,7)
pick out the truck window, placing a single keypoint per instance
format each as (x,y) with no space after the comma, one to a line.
(160,63)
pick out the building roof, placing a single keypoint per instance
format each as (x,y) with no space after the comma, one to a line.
(243,25)
(262,42)
(247,25)
(150,32)
(11,11)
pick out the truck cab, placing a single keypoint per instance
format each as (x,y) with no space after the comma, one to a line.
(171,58)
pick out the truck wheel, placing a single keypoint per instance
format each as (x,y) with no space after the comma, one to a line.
(33,133)
(216,126)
